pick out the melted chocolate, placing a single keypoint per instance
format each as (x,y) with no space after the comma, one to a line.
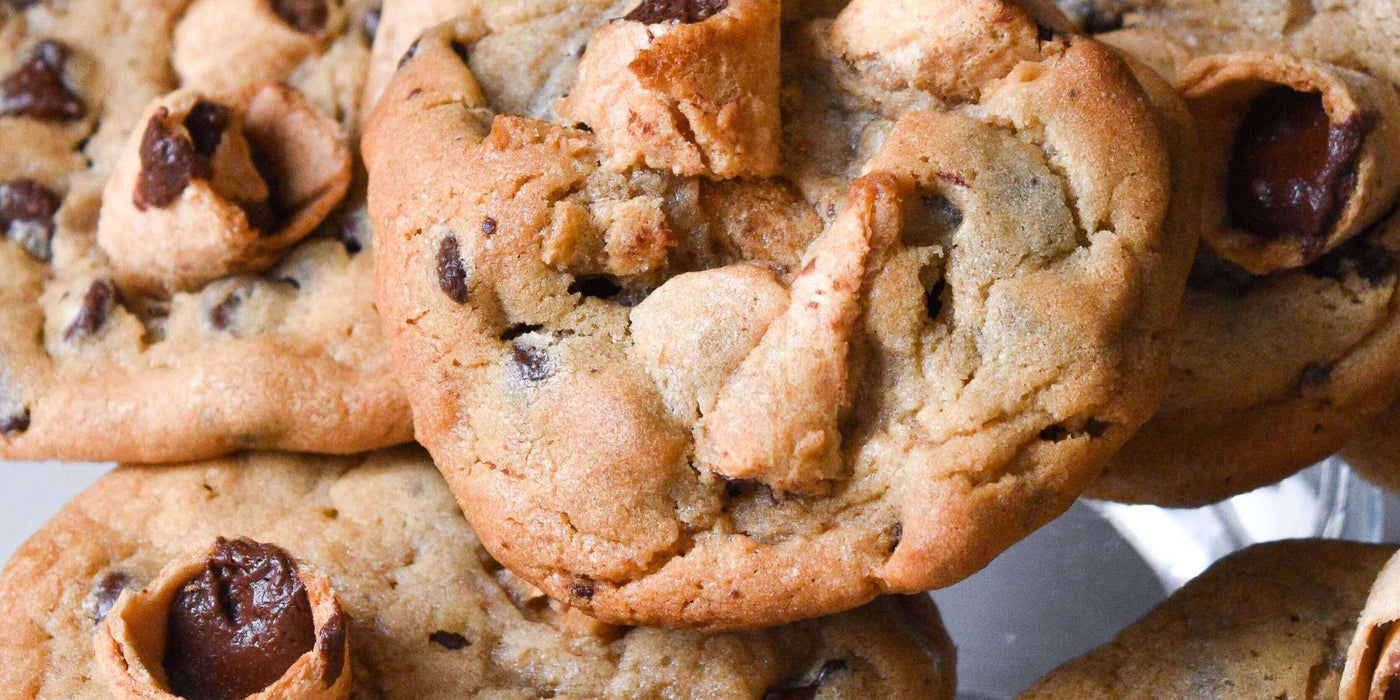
(1292,169)
(331,643)
(169,161)
(26,216)
(239,625)
(683,11)
(305,16)
(36,89)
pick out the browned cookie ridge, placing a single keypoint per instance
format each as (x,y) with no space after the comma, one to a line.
(726,322)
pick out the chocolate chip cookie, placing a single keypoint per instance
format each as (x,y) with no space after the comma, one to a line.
(1290,334)
(1272,621)
(322,576)
(185,266)
(714,318)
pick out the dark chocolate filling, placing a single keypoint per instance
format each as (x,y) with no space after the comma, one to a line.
(235,628)
(1292,170)
(683,11)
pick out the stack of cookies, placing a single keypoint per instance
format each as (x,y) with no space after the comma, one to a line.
(727,328)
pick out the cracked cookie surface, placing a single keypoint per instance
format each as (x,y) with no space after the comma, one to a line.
(218,295)
(428,613)
(669,395)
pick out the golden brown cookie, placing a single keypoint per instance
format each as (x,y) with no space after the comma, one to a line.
(669,395)
(360,574)
(185,264)
(1272,621)
(1290,334)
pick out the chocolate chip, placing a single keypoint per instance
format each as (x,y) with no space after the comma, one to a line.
(806,689)
(532,364)
(206,123)
(581,588)
(97,304)
(169,161)
(36,89)
(225,312)
(105,592)
(896,534)
(238,625)
(488,226)
(26,216)
(1291,168)
(410,53)
(305,16)
(450,641)
(330,641)
(369,22)
(13,425)
(452,275)
(598,287)
(683,11)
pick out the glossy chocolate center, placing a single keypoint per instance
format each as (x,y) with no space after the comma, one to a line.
(239,625)
(1292,169)
(682,11)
